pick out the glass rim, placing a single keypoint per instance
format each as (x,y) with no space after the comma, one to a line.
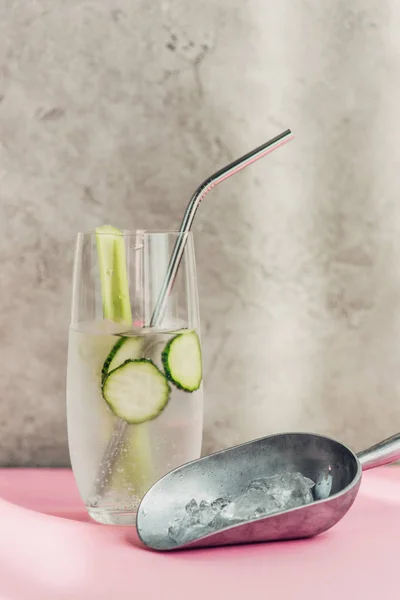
(130,233)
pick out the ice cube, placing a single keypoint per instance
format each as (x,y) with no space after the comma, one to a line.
(323,485)
(174,528)
(196,520)
(192,508)
(183,530)
(250,504)
(290,490)
(220,503)
(258,484)
(206,512)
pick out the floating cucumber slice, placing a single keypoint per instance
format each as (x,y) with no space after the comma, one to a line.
(182,361)
(136,391)
(126,348)
(113,274)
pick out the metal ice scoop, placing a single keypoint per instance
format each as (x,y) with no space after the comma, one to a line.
(225,473)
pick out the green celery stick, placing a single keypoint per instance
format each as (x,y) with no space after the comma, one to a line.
(113,274)
(136,463)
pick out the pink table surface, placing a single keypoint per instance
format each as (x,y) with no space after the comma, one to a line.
(50,550)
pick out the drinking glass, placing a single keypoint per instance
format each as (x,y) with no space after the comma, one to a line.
(134,389)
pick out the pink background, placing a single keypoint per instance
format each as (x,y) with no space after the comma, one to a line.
(50,550)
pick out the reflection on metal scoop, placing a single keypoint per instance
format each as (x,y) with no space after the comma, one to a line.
(334,468)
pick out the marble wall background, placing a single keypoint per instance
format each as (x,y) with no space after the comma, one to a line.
(114,110)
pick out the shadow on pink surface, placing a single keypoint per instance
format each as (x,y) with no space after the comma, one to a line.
(43,556)
(49,547)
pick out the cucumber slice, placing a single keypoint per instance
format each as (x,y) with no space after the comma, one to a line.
(113,274)
(182,362)
(126,348)
(136,391)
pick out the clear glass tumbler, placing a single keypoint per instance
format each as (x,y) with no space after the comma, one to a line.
(134,389)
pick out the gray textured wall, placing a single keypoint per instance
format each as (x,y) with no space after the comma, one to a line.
(116,110)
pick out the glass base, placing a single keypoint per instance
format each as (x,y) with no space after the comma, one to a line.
(108,516)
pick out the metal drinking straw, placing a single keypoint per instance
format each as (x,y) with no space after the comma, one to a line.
(203,189)
(173,266)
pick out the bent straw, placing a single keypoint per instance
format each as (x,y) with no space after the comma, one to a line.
(191,209)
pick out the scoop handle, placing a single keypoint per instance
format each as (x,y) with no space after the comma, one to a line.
(380,454)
